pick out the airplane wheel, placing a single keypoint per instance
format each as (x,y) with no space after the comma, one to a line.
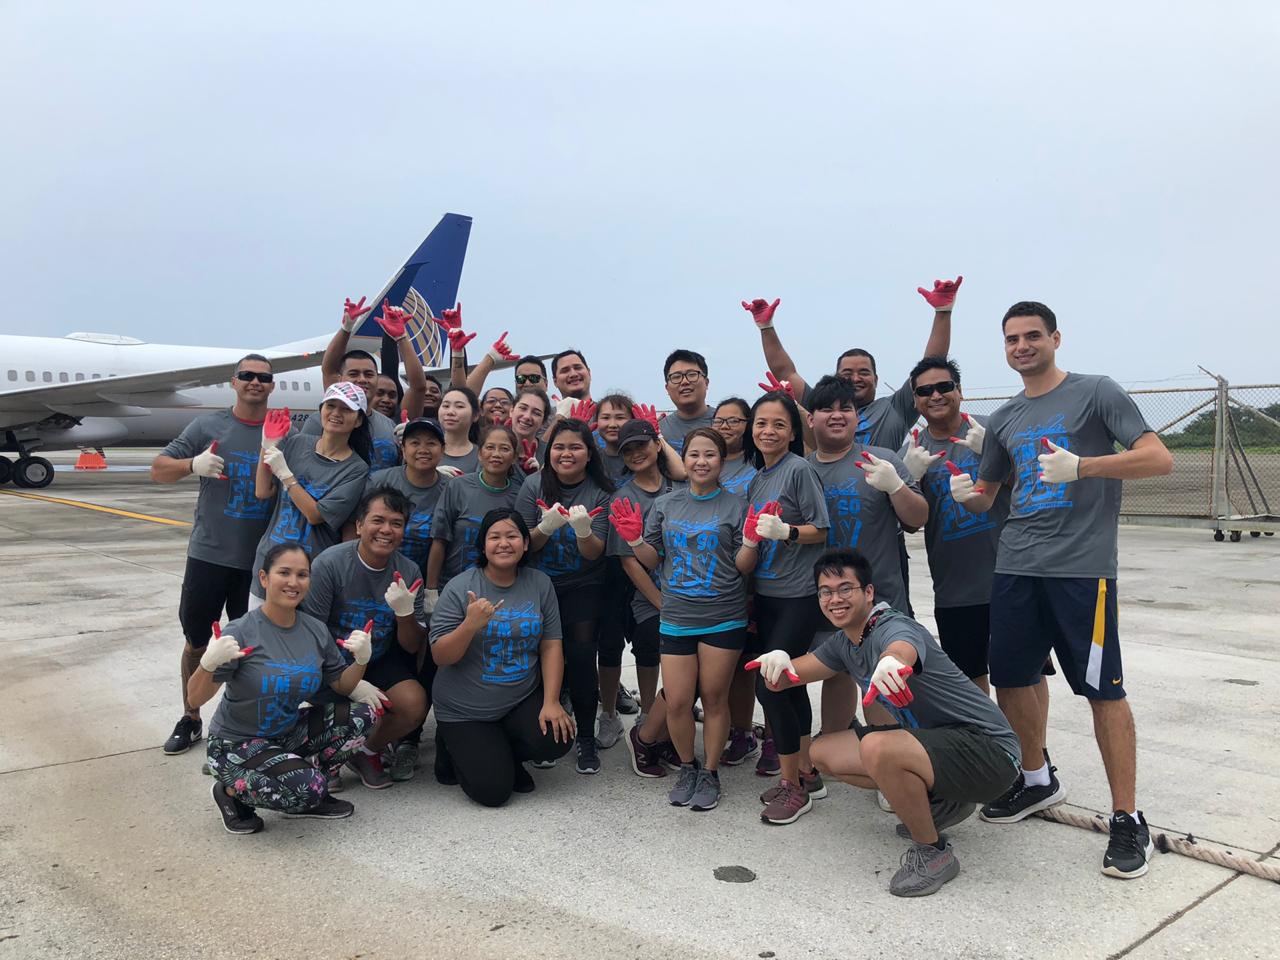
(1235,536)
(33,473)
(1219,536)
(6,470)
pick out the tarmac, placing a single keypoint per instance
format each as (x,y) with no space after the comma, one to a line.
(108,848)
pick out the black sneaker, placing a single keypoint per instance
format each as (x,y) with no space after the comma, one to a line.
(237,817)
(330,808)
(626,702)
(1129,849)
(588,755)
(185,733)
(1021,800)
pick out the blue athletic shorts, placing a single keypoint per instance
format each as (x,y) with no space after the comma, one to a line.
(1073,617)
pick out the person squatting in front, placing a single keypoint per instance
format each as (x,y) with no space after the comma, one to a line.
(696,533)
(923,735)
(496,638)
(268,747)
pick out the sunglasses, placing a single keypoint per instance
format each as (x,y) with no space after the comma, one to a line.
(523,378)
(942,386)
(248,376)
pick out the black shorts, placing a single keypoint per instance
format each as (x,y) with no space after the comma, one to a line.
(207,590)
(969,766)
(687,646)
(579,604)
(965,636)
(644,642)
(787,623)
(395,666)
(1073,617)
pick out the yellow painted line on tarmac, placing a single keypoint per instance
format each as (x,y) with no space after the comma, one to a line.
(97,507)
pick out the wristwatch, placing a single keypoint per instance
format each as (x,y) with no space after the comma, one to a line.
(794,535)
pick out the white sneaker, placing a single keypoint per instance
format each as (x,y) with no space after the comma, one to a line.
(608,730)
(884,803)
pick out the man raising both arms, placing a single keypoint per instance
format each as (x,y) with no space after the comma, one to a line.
(1055,575)
(221,449)
(685,373)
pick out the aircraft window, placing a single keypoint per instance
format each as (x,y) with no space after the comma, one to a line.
(306,385)
(62,377)
(31,376)
(96,376)
(13,374)
(79,377)
(295,384)
(46,376)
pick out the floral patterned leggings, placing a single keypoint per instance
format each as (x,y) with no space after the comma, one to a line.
(290,772)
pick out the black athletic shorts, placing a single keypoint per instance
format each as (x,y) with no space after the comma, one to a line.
(684,646)
(394,666)
(969,766)
(207,590)
(965,636)
(644,642)
(580,603)
(1073,617)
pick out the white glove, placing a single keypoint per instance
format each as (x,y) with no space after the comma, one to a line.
(1058,465)
(580,519)
(880,474)
(449,471)
(917,459)
(366,693)
(977,433)
(400,598)
(773,665)
(564,408)
(429,600)
(398,430)
(885,677)
(360,645)
(771,527)
(553,518)
(221,649)
(208,464)
(273,457)
(962,487)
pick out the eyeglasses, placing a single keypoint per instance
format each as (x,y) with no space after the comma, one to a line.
(523,378)
(844,591)
(728,421)
(942,386)
(248,376)
(685,376)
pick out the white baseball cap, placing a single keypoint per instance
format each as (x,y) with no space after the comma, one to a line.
(348,393)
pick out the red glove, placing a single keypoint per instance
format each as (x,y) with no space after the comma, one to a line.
(943,295)
(627,520)
(529,456)
(761,312)
(275,427)
(645,411)
(753,517)
(584,410)
(352,314)
(501,351)
(451,321)
(393,321)
(899,699)
(773,384)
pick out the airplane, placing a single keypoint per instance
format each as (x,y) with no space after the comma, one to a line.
(92,390)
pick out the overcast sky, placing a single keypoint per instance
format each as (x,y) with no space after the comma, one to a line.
(225,174)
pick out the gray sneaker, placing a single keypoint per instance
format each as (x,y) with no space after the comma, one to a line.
(682,793)
(946,813)
(924,870)
(706,792)
(404,761)
(608,730)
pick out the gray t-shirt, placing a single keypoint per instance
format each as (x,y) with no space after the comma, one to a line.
(614,467)
(336,486)
(675,428)
(736,476)
(467,463)
(346,593)
(559,557)
(961,545)
(382,430)
(501,666)
(885,421)
(1060,529)
(229,519)
(944,696)
(458,515)
(863,518)
(786,569)
(286,667)
(641,609)
(417,532)
(698,539)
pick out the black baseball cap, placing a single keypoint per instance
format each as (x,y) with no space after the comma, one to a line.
(634,430)
(425,423)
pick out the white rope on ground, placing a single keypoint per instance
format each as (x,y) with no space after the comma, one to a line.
(1187,845)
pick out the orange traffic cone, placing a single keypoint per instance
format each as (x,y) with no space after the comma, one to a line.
(91,460)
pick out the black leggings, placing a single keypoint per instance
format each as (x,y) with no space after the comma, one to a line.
(787,623)
(485,752)
(579,622)
(615,623)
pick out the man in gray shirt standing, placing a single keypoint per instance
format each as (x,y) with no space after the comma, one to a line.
(221,449)
(1054,446)
(685,373)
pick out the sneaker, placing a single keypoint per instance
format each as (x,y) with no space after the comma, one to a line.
(742,746)
(536,764)
(883,802)
(946,813)
(627,702)
(369,767)
(404,761)
(588,755)
(706,792)
(185,733)
(237,817)
(205,769)
(608,730)
(924,870)
(335,782)
(646,758)
(697,711)
(330,808)
(523,783)
(682,793)
(669,755)
(768,765)
(812,783)
(1129,849)
(792,801)
(1021,801)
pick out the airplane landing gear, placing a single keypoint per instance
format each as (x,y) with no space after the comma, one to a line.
(6,470)
(34,473)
